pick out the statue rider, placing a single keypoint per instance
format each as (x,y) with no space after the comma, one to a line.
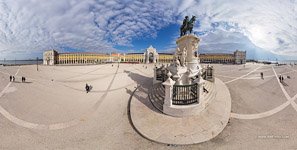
(185,23)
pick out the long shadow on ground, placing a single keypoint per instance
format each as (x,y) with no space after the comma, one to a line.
(144,84)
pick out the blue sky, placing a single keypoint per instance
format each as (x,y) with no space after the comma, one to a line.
(163,41)
(266,29)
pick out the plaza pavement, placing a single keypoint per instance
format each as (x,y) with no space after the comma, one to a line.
(52,110)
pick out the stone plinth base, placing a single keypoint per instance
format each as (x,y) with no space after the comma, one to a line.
(183,110)
(162,128)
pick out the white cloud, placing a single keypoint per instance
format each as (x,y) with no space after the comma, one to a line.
(98,25)
(269,24)
(31,25)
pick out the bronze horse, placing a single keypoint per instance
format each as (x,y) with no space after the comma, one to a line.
(187,26)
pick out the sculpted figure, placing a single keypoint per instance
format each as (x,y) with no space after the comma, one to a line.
(184,25)
(183,58)
(177,63)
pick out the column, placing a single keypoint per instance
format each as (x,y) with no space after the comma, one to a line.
(168,92)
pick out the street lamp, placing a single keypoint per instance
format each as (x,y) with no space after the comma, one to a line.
(37,63)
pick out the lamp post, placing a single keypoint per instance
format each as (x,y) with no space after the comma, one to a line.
(37,63)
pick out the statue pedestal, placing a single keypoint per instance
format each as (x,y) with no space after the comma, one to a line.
(187,45)
(190,44)
(186,92)
(187,95)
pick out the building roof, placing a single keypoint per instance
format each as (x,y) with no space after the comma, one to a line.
(85,53)
(209,54)
(166,53)
(133,53)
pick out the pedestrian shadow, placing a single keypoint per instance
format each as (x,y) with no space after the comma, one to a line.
(144,84)
(22,82)
(284,83)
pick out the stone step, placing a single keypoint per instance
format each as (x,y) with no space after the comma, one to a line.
(210,94)
(210,87)
(160,93)
(210,97)
(157,96)
(206,95)
(156,103)
(159,90)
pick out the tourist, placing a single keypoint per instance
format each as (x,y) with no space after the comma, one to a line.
(280,78)
(205,90)
(87,88)
(13,78)
(90,87)
(10,78)
(262,75)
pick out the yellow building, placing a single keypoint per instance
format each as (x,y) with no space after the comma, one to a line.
(165,57)
(52,57)
(134,57)
(82,58)
(238,57)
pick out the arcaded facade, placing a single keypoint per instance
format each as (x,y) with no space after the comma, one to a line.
(52,57)
(238,57)
(151,55)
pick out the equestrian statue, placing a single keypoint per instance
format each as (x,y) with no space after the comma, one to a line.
(187,25)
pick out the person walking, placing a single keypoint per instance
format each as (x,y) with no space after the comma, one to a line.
(280,78)
(13,78)
(87,88)
(90,87)
(262,75)
(23,79)
(10,78)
